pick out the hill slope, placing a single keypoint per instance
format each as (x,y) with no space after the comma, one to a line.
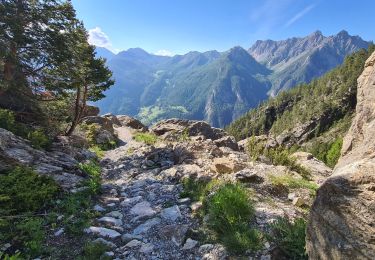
(325,101)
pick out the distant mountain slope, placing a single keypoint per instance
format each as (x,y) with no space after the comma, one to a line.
(298,60)
(218,87)
(319,104)
(104,53)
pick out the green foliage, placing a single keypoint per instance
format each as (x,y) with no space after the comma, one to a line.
(97,150)
(94,251)
(289,181)
(147,138)
(329,153)
(332,96)
(278,156)
(7,120)
(22,190)
(93,170)
(230,210)
(196,190)
(32,235)
(38,139)
(290,237)
(78,208)
(333,153)
(11,257)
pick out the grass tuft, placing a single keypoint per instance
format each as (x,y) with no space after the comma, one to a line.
(289,181)
(289,237)
(147,138)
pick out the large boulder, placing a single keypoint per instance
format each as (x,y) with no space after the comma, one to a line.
(59,165)
(103,122)
(319,171)
(189,127)
(91,111)
(341,221)
(131,122)
(115,121)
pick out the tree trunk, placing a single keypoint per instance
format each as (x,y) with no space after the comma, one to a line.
(76,113)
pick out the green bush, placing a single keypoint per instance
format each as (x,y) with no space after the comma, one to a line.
(329,152)
(289,237)
(147,138)
(93,170)
(23,190)
(97,150)
(289,181)
(24,193)
(7,120)
(230,210)
(78,206)
(38,139)
(334,152)
(196,190)
(93,250)
(32,235)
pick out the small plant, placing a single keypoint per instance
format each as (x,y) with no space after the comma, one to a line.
(147,138)
(289,237)
(289,181)
(94,251)
(38,139)
(93,170)
(184,136)
(230,210)
(98,151)
(196,190)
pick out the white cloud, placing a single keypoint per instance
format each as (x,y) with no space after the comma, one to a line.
(164,53)
(299,15)
(98,38)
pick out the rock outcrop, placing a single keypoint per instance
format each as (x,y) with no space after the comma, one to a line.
(175,126)
(59,165)
(341,222)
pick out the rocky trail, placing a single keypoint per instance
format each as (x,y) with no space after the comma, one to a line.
(142,215)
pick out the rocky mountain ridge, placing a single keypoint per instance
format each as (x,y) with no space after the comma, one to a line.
(218,87)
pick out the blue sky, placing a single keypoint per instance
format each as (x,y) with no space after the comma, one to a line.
(179,26)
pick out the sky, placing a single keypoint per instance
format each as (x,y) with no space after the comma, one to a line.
(169,27)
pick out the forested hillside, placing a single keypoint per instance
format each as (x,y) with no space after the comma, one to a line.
(327,99)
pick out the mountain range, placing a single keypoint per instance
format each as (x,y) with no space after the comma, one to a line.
(218,87)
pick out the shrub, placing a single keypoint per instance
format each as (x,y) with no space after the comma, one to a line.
(97,150)
(281,156)
(78,207)
(23,190)
(38,139)
(93,170)
(32,235)
(289,237)
(94,251)
(334,152)
(230,211)
(288,180)
(196,190)
(147,138)
(329,152)
(7,120)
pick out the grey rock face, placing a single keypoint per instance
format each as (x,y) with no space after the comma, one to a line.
(341,221)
